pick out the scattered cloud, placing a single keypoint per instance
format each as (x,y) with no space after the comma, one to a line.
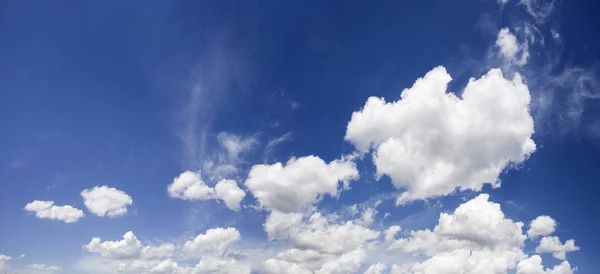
(511,49)
(475,238)
(230,193)
(215,241)
(482,133)
(552,244)
(190,186)
(47,210)
(541,226)
(106,201)
(295,186)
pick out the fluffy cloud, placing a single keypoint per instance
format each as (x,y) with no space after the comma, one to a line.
(106,201)
(475,238)
(47,210)
(214,241)
(377,268)
(219,265)
(3,260)
(230,193)
(157,252)
(533,265)
(511,49)
(321,244)
(553,245)
(45,268)
(432,142)
(541,226)
(295,261)
(294,187)
(127,248)
(190,186)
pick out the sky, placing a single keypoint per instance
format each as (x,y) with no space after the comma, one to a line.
(369,137)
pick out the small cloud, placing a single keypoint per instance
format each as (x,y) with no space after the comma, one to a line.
(21,256)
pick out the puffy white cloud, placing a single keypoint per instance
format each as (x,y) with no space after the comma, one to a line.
(230,193)
(219,265)
(390,233)
(190,186)
(475,224)
(318,233)
(157,252)
(533,265)
(214,241)
(512,51)
(552,244)
(3,260)
(106,201)
(45,268)
(276,266)
(129,247)
(309,261)
(541,226)
(47,210)
(377,268)
(300,183)
(475,238)
(432,142)
(349,262)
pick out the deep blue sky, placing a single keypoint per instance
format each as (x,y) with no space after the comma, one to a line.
(94,93)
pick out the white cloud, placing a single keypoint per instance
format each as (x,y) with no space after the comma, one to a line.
(215,241)
(533,265)
(296,261)
(190,186)
(45,268)
(158,252)
(230,193)
(512,51)
(475,238)
(541,226)
(127,248)
(300,183)
(367,217)
(540,10)
(390,233)
(219,265)
(47,210)
(377,268)
(432,142)
(235,145)
(552,244)
(3,260)
(106,201)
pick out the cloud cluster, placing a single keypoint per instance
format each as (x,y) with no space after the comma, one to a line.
(432,142)
(47,210)
(189,185)
(297,185)
(106,201)
(475,238)
(129,255)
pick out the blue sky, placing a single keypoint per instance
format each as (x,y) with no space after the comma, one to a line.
(132,95)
